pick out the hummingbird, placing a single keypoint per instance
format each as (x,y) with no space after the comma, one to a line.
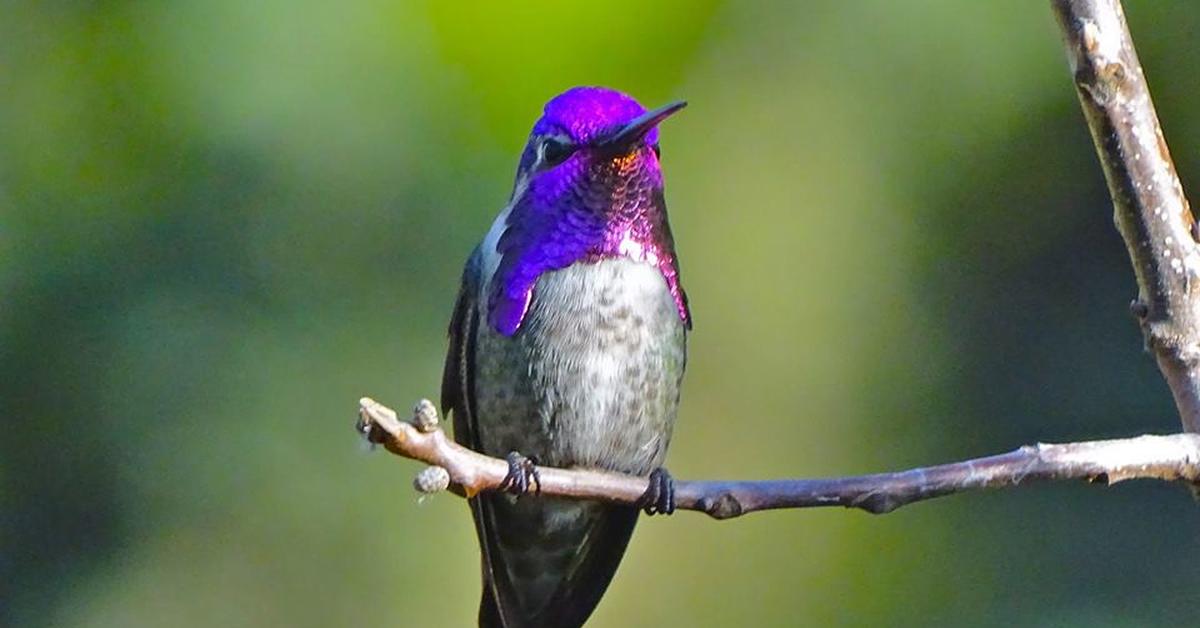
(568,344)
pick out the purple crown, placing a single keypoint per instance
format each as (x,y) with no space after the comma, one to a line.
(585,113)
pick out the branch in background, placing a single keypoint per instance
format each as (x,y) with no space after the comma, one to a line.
(1151,211)
(1169,458)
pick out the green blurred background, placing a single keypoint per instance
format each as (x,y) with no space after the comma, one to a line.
(221,223)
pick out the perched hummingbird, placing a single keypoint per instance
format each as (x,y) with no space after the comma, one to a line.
(567,348)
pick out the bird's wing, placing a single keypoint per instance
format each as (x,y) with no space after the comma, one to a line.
(458,386)
(458,398)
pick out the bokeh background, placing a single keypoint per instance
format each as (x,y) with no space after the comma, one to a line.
(223,222)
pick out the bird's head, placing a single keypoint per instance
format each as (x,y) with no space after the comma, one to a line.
(589,187)
(592,139)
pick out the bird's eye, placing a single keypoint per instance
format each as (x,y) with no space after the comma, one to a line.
(657,152)
(555,151)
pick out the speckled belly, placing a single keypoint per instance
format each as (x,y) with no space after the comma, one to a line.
(592,378)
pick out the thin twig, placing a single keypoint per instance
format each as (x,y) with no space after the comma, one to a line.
(1168,458)
(1151,210)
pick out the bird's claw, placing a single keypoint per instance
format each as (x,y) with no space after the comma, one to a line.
(659,498)
(522,475)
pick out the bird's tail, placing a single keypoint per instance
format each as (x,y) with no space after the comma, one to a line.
(547,579)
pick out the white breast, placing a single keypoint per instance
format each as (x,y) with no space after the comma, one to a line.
(491,258)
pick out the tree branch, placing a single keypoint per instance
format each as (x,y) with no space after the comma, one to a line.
(1151,210)
(1169,458)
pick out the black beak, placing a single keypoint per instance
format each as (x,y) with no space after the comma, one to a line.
(635,130)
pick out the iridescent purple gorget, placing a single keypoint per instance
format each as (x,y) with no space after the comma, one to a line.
(598,196)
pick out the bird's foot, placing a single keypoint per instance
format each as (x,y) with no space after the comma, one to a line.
(522,475)
(659,498)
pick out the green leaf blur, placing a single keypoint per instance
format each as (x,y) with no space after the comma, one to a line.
(221,223)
